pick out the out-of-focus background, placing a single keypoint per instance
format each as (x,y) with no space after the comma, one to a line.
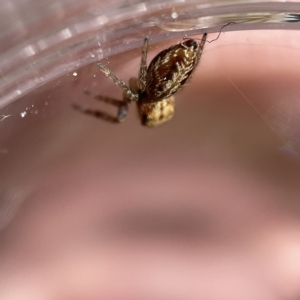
(203,207)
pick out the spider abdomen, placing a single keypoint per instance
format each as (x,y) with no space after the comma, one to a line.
(170,69)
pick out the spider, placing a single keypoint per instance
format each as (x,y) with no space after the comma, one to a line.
(153,91)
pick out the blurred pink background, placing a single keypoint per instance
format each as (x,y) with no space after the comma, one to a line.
(204,207)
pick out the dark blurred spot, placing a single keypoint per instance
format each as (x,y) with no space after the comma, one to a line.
(178,224)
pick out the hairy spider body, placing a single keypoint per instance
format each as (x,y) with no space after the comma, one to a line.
(153,91)
(156,113)
(170,69)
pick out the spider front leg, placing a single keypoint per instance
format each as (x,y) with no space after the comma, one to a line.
(121,114)
(143,66)
(120,83)
(131,93)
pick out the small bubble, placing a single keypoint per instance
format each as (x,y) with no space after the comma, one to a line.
(174,15)
(75,74)
(23,114)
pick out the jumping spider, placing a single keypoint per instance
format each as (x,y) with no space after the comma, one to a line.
(153,91)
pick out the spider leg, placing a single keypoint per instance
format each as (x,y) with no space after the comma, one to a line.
(201,45)
(121,114)
(143,66)
(129,94)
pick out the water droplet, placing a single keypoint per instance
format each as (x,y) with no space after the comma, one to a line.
(174,15)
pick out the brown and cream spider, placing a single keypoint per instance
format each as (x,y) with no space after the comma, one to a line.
(153,91)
